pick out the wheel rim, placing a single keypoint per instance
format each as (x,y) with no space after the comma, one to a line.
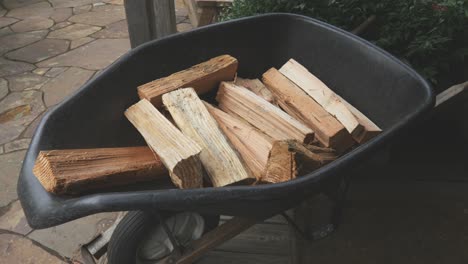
(156,245)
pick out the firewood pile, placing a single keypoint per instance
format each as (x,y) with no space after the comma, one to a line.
(259,131)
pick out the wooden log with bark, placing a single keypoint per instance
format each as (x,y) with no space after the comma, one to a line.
(323,95)
(298,104)
(178,153)
(202,77)
(258,112)
(75,171)
(221,162)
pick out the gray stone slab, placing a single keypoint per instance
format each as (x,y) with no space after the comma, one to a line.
(17,111)
(61,14)
(115,30)
(64,84)
(98,4)
(16,145)
(32,24)
(60,25)
(75,31)
(5,21)
(67,238)
(18,40)
(72,3)
(11,4)
(10,165)
(42,9)
(17,249)
(14,220)
(29,132)
(8,67)
(114,2)
(26,81)
(54,72)
(79,42)
(102,51)
(40,71)
(40,50)
(82,9)
(3,88)
(5,31)
(101,15)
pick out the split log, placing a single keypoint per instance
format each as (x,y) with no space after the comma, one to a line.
(320,156)
(323,95)
(291,98)
(253,145)
(177,152)
(75,171)
(370,128)
(257,87)
(281,165)
(289,157)
(309,158)
(257,111)
(202,77)
(221,162)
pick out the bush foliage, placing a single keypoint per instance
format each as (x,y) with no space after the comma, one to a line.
(432,36)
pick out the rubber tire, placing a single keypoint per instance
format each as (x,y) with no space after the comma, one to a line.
(129,232)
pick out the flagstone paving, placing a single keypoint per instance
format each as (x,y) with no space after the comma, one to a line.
(48,50)
(14,41)
(18,249)
(40,50)
(25,81)
(64,84)
(35,23)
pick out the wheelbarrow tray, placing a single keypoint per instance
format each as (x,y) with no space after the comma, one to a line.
(386,90)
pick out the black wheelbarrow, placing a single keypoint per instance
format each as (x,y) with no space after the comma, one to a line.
(383,88)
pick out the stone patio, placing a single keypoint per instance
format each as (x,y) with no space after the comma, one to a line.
(49,49)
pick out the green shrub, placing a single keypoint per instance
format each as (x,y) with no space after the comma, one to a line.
(432,36)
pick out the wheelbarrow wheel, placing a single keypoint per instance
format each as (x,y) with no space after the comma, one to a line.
(140,239)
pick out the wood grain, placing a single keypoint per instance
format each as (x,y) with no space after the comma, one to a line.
(75,171)
(253,145)
(321,94)
(178,153)
(221,162)
(258,112)
(202,77)
(328,130)
(281,164)
(257,87)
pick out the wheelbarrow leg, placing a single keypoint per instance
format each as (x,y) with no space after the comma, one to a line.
(314,219)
